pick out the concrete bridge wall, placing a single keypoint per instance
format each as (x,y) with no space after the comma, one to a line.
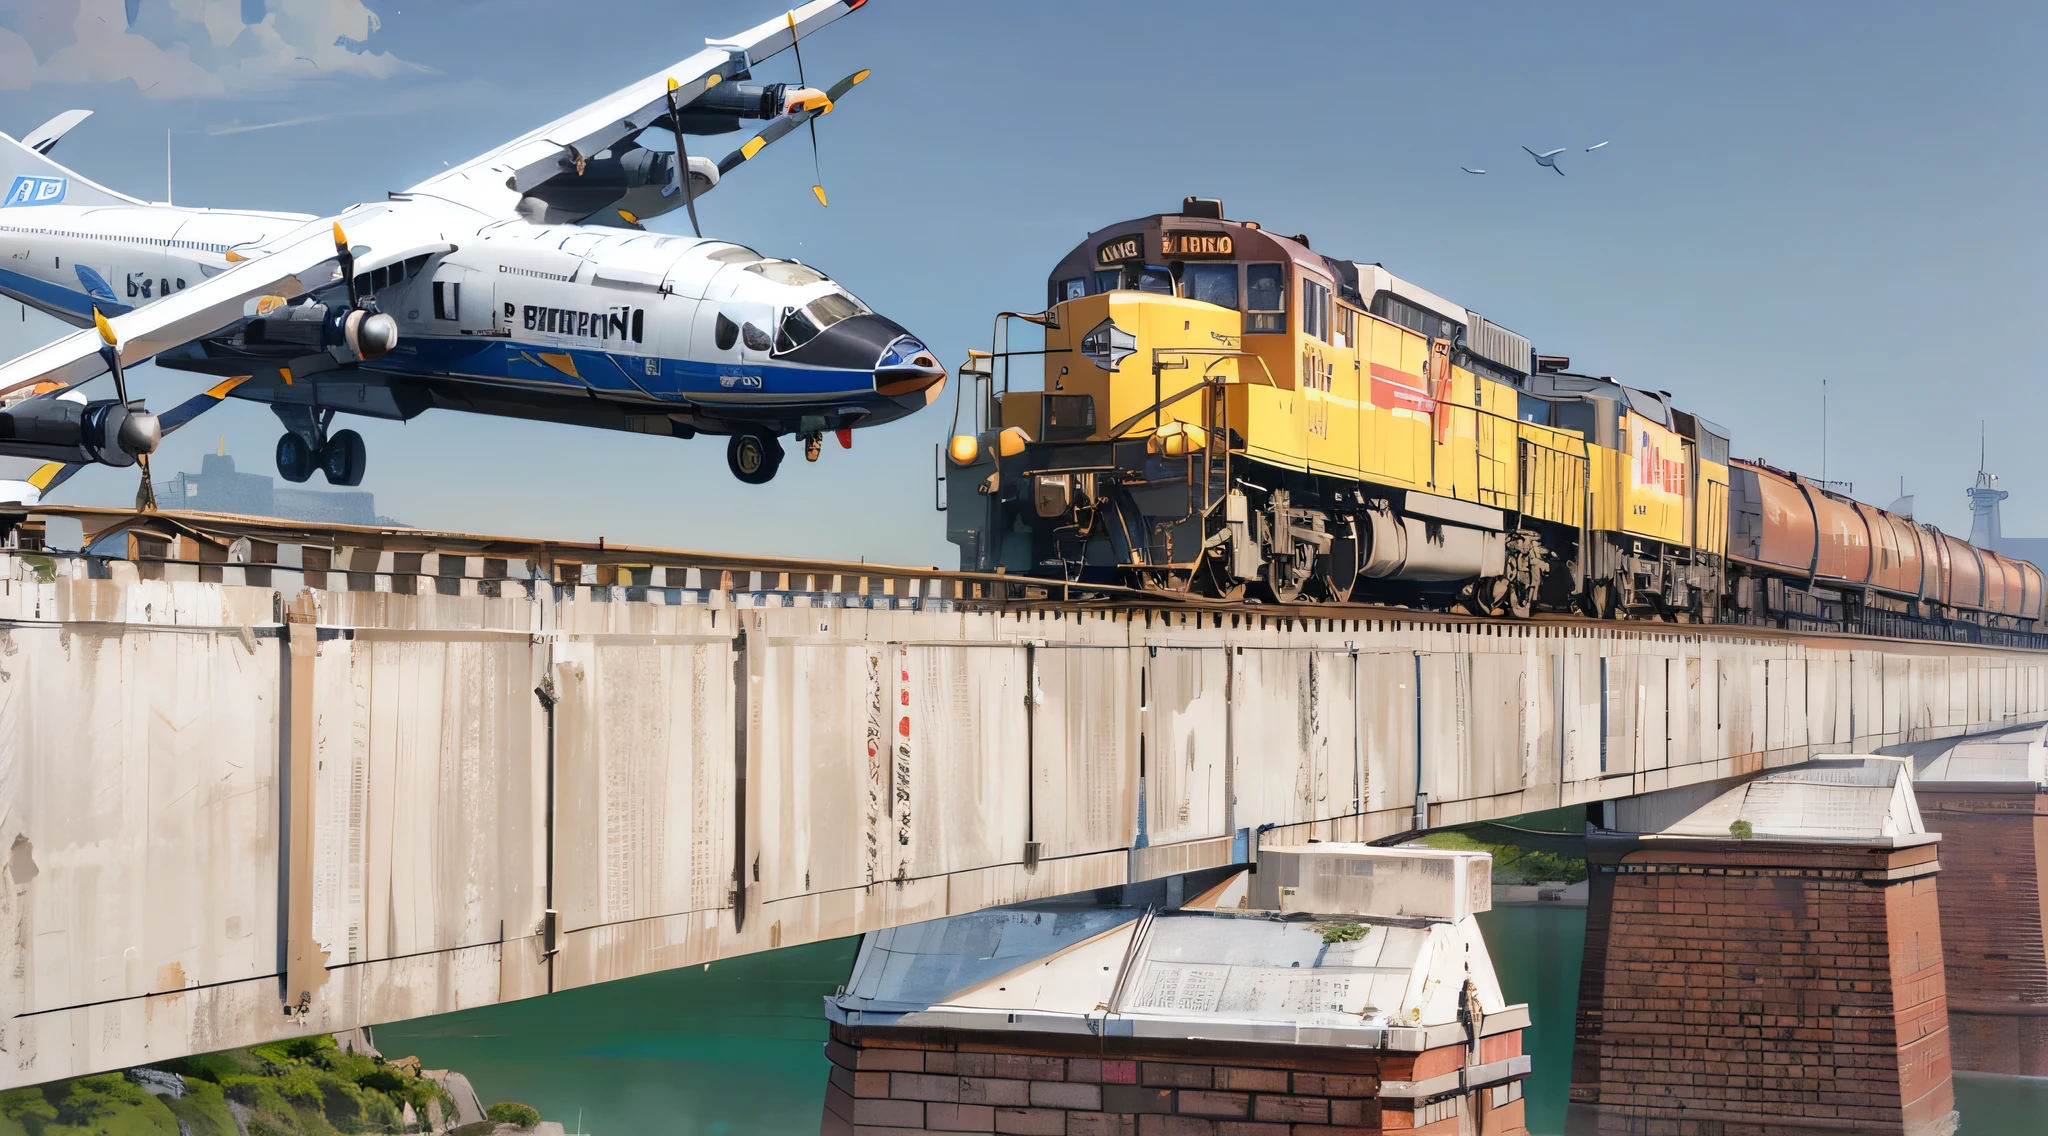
(254,806)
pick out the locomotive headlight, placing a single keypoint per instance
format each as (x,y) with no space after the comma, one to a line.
(1012,441)
(963,449)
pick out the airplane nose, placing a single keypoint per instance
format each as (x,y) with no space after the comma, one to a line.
(900,362)
(906,367)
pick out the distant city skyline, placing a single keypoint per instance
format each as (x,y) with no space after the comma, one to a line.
(1754,227)
(218,486)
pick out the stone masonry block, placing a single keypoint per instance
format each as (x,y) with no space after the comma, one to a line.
(1176,1076)
(889,1113)
(1136,1098)
(1154,1125)
(1061,1094)
(1031,1121)
(924,1087)
(1335,1085)
(1101,1124)
(1251,1080)
(904,1060)
(941,1117)
(1294,1110)
(988,1090)
(1208,1102)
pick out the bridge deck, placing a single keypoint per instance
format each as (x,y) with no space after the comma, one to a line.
(265,766)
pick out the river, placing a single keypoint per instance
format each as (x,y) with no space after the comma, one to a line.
(735,1048)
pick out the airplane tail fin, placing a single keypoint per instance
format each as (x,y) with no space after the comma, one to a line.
(29,178)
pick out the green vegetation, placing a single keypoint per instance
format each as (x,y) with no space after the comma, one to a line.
(301,1087)
(1515,864)
(1741,830)
(1344,932)
(512,1112)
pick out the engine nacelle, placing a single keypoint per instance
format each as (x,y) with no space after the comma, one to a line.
(355,335)
(640,182)
(55,428)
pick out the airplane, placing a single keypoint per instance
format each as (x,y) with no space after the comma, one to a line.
(1548,158)
(521,283)
(1595,146)
(1470,170)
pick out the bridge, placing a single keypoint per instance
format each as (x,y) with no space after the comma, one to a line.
(260,777)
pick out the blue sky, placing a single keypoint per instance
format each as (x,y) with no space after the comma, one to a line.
(1791,192)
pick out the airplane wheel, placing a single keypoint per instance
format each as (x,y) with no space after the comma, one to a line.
(295,459)
(343,459)
(753,456)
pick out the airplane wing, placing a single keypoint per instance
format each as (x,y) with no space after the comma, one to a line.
(300,262)
(493,182)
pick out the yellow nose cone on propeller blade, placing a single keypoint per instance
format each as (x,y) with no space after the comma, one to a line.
(106,329)
(819,191)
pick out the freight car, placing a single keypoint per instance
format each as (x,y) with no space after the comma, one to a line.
(1805,557)
(1220,410)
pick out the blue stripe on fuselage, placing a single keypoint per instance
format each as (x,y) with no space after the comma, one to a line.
(605,372)
(46,295)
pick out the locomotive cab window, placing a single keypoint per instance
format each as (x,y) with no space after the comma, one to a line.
(1109,280)
(1070,289)
(1155,280)
(1265,293)
(1315,309)
(1211,283)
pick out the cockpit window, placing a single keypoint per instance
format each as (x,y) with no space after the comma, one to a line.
(731,254)
(756,339)
(1211,283)
(799,325)
(1155,280)
(788,272)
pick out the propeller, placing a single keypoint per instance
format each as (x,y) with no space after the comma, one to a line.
(789,122)
(675,118)
(50,475)
(347,257)
(138,433)
(796,44)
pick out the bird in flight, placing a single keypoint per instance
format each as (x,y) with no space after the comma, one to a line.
(1470,170)
(1595,146)
(1548,158)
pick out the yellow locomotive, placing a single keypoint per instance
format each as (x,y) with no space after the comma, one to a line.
(1223,408)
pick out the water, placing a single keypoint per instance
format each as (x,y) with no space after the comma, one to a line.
(1536,951)
(737,1049)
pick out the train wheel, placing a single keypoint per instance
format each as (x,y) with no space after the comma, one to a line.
(1213,580)
(1286,577)
(1168,581)
(1337,570)
(1600,600)
(1521,601)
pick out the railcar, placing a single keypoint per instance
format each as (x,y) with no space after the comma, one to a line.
(1220,410)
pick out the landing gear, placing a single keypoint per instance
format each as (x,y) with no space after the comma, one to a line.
(343,458)
(295,459)
(814,444)
(754,456)
(306,446)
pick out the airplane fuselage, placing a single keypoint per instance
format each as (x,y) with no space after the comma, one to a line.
(601,326)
